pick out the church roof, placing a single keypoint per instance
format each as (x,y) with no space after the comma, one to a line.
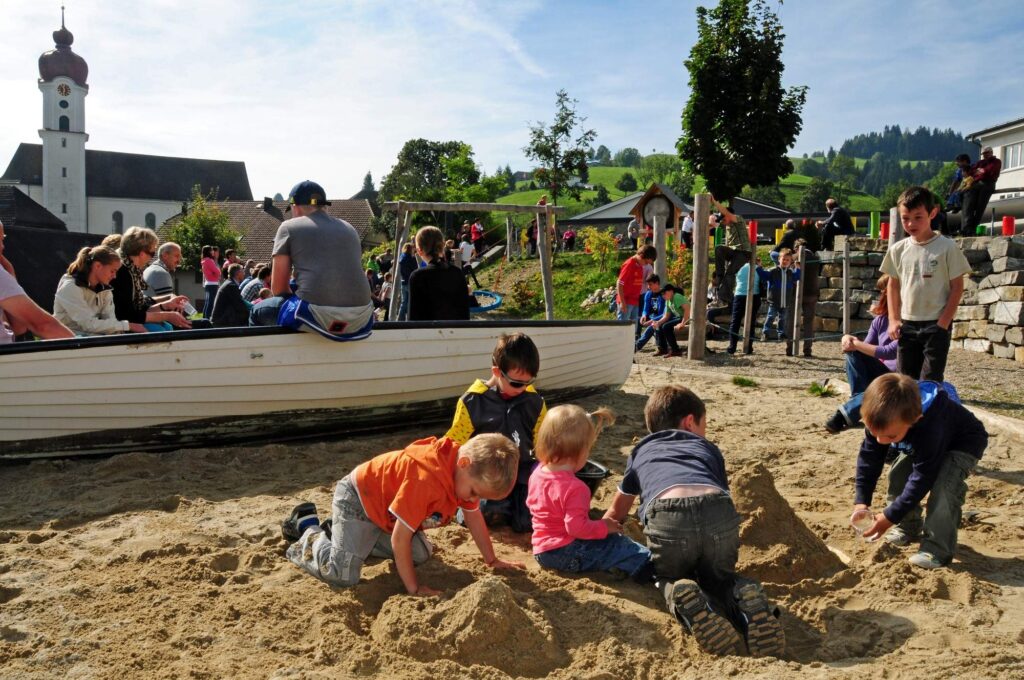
(257,222)
(62,60)
(114,174)
(18,210)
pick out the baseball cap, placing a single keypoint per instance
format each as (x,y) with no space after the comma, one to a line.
(308,192)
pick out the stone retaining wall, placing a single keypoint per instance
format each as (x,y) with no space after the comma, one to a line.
(990,317)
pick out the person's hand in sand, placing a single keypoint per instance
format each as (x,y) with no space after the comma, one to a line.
(498,563)
(880,526)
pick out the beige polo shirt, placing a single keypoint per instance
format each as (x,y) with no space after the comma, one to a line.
(925,271)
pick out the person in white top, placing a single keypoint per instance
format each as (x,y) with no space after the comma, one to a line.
(468,251)
(18,313)
(85,301)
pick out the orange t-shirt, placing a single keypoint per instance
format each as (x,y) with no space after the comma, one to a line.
(415,486)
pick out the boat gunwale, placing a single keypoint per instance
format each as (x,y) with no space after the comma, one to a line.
(163,337)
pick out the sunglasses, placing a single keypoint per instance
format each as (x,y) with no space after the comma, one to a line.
(516,384)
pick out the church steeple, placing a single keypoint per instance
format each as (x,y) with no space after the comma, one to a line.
(62,61)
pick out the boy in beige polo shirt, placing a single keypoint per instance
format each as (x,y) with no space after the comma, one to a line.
(926,282)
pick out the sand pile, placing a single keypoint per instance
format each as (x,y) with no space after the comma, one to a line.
(775,545)
(484,624)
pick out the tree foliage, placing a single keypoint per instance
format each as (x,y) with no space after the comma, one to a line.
(739,121)
(812,168)
(769,194)
(368,182)
(628,158)
(626,182)
(817,192)
(600,243)
(843,173)
(603,155)
(561,149)
(463,181)
(921,144)
(203,224)
(657,167)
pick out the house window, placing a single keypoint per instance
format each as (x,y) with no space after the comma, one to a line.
(64,208)
(118,222)
(151,220)
(64,123)
(64,142)
(63,172)
(1013,156)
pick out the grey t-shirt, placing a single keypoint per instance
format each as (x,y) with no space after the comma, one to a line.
(9,288)
(325,255)
(158,279)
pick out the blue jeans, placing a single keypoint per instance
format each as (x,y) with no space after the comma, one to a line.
(265,313)
(645,335)
(211,294)
(861,371)
(628,312)
(665,336)
(777,316)
(739,310)
(613,552)
(403,306)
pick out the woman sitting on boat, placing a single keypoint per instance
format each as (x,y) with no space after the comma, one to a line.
(85,301)
(138,247)
(437,292)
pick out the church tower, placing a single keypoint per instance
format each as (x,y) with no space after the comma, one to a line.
(62,80)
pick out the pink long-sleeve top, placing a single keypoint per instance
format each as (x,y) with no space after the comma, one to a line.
(211,272)
(560,504)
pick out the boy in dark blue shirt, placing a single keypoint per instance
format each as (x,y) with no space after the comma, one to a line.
(938,442)
(692,529)
(652,305)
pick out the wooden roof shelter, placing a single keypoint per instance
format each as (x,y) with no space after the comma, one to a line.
(405,209)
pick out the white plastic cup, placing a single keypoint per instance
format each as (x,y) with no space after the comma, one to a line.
(862,520)
(189,309)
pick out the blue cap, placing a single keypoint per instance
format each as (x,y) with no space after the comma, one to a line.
(308,192)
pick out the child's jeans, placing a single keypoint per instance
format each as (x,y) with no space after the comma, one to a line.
(665,335)
(945,502)
(775,321)
(339,559)
(614,552)
(739,310)
(922,350)
(696,538)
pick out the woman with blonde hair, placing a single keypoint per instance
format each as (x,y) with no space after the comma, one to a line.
(438,291)
(85,301)
(138,247)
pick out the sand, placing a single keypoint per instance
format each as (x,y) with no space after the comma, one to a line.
(171,565)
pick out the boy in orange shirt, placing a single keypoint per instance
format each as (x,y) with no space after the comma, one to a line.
(383,506)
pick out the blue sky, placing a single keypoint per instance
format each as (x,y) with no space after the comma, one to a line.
(328,89)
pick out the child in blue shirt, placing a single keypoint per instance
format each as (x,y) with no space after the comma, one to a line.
(652,305)
(739,303)
(781,294)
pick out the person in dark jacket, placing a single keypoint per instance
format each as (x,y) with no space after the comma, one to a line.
(837,224)
(229,309)
(406,266)
(938,443)
(437,292)
(138,247)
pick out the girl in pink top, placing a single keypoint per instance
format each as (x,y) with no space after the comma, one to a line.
(211,277)
(564,536)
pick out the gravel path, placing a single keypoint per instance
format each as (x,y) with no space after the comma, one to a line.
(982,380)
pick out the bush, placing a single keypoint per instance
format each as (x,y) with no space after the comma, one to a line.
(599,243)
(626,183)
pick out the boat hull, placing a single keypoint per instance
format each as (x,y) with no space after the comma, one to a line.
(208,388)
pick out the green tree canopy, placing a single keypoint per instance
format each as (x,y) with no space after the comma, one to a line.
(817,192)
(843,172)
(603,155)
(203,224)
(739,121)
(368,182)
(626,183)
(628,157)
(561,149)
(657,167)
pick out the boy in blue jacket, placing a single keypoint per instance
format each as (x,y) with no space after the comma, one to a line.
(938,442)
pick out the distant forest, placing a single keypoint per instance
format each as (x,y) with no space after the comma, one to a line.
(920,145)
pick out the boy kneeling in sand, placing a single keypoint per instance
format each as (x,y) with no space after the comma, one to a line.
(938,442)
(383,506)
(692,528)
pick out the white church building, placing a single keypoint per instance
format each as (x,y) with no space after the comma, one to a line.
(103,192)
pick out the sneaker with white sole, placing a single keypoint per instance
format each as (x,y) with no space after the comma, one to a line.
(925,560)
(712,631)
(303,516)
(765,636)
(899,536)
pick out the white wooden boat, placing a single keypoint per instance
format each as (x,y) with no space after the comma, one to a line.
(183,389)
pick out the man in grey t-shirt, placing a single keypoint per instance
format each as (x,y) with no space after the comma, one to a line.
(324,252)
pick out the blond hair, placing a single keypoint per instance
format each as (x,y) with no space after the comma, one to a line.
(568,432)
(137,239)
(494,460)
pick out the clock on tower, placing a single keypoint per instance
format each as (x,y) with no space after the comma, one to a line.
(63,90)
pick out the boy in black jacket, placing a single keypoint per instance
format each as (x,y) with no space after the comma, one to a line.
(938,442)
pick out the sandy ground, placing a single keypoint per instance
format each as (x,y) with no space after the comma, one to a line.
(171,565)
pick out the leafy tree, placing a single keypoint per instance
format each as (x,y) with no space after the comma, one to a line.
(843,171)
(510,179)
(812,168)
(278,196)
(626,183)
(657,168)
(831,155)
(628,158)
(463,181)
(203,224)
(602,196)
(769,194)
(739,121)
(817,192)
(891,194)
(561,149)
(368,182)
(533,185)
(939,183)
(600,243)
(603,155)
(681,182)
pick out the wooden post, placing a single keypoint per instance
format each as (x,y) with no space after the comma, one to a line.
(748,313)
(798,305)
(660,264)
(403,221)
(509,237)
(544,246)
(896,232)
(846,285)
(699,293)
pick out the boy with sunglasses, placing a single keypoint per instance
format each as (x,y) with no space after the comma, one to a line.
(508,404)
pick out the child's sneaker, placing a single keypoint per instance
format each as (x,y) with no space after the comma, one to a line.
(899,536)
(836,423)
(713,632)
(925,560)
(765,636)
(303,516)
